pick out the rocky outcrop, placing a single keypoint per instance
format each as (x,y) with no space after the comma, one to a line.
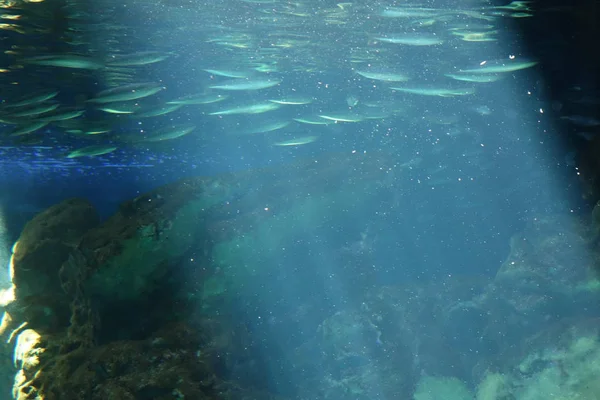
(490,339)
(114,310)
(44,245)
(166,299)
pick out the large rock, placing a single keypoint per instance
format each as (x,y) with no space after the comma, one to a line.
(136,326)
(44,245)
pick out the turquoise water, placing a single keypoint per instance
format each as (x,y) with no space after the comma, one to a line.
(446,100)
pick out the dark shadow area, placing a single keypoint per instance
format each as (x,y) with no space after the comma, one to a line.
(564,37)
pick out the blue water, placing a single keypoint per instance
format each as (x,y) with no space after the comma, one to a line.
(471,171)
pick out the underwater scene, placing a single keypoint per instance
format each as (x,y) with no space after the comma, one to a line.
(299,200)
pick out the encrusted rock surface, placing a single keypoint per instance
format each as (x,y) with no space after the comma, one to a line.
(109,311)
(44,245)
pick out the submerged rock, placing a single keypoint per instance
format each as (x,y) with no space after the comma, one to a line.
(116,309)
(44,245)
(166,298)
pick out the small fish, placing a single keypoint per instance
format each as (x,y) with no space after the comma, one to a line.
(34,99)
(65,61)
(342,118)
(313,121)
(409,40)
(580,120)
(409,12)
(133,91)
(246,84)
(295,101)
(296,142)
(198,99)
(119,108)
(92,151)
(383,76)
(30,128)
(163,110)
(477,78)
(228,73)
(62,115)
(251,109)
(500,66)
(172,132)
(265,128)
(470,36)
(137,59)
(37,110)
(441,92)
